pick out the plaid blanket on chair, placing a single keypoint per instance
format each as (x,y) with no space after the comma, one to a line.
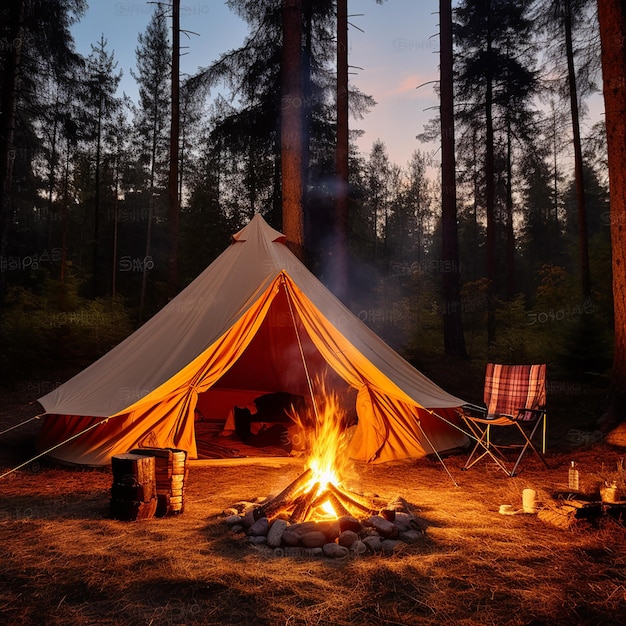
(509,388)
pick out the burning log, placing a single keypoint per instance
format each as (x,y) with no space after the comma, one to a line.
(275,505)
(336,503)
(351,500)
(320,499)
(301,509)
(304,505)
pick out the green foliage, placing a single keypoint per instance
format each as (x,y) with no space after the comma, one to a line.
(53,328)
(555,286)
(586,354)
(558,327)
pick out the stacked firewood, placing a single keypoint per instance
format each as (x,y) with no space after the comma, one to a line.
(133,492)
(297,525)
(170,477)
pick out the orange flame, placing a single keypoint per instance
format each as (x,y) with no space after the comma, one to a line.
(326,443)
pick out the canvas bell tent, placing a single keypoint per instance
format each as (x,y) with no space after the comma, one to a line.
(255,322)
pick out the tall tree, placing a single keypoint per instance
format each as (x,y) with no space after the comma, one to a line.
(492,37)
(153,79)
(250,130)
(101,84)
(612,20)
(36,45)
(173,200)
(377,176)
(454,341)
(120,149)
(411,214)
(340,281)
(567,16)
(291,126)
(14,31)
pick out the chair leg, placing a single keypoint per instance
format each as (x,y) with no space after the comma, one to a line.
(483,440)
(529,444)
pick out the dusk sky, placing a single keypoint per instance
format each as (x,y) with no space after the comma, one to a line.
(397,51)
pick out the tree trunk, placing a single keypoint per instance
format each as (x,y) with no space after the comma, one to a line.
(612,20)
(151,211)
(95,279)
(585,275)
(340,253)
(115,226)
(64,213)
(8,107)
(307,117)
(454,342)
(510,232)
(292,127)
(172,183)
(490,197)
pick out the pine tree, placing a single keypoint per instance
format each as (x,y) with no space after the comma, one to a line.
(494,87)
(100,105)
(153,114)
(454,342)
(37,51)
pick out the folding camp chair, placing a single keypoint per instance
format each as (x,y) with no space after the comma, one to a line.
(515,397)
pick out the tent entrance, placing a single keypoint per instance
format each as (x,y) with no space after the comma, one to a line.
(247,411)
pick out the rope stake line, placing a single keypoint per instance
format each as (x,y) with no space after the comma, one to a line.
(30,419)
(58,445)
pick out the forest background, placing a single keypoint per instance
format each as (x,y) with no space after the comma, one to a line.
(85,228)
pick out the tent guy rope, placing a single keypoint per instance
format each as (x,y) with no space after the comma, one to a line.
(30,419)
(58,445)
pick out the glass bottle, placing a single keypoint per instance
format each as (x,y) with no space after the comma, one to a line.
(572,478)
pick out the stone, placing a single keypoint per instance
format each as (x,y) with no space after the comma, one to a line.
(291,538)
(248,519)
(275,533)
(331,529)
(384,527)
(389,546)
(347,522)
(374,543)
(260,527)
(313,539)
(402,521)
(347,538)
(411,536)
(258,540)
(335,551)
(303,527)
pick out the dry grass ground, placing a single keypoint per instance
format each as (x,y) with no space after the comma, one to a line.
(65,562)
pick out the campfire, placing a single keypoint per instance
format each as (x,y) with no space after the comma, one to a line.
(318,512)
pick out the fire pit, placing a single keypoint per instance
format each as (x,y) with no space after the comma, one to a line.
(317,513)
